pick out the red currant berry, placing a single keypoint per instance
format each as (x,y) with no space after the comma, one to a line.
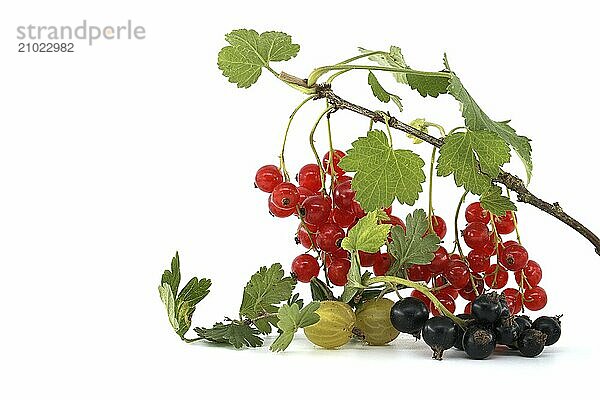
(439,226)
(343,196)
(339,253)
(498,278)
(505,224)
(285,195)
(476,235)
(342,178)
(337,271)
(513,257)
(514,300)
(382,264)
(535,299)
(305,267)
(310,177)
(418,273)
(419,295)
(267,177)
(446,300)
(343,218)
(337,156)
(532,274)
(279,211)
(489,248)
(457,274)
(440,261)
(316,209)
(468,292)
(468,307)
(455,256)
(358,210)
(478,261)
(367,259)
(329,237)
(388,211)
(475,213)
(304,238)
(450,290)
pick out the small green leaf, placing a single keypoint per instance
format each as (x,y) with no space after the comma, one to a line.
(194,291)
(173,276)
(494,202)
(418,124)
(319,290)
(292,318)
(477,120)
(393,58)
(235,333)
(367,235)
(383,95)
(265,290)
(242,62)
(166,295)
(474,158)
(413,246)
(428,85)
(382,173)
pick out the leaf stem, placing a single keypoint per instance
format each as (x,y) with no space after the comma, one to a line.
(421,288)
(456,238)
(287,129)
(318,72)
(312,144)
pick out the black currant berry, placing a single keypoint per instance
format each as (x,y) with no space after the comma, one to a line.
(461,332)
(531,342)
(479,343)
(504,310)
(550,326)
(440,334)
(487,308)
(523,321)
(409,315)
(507,331)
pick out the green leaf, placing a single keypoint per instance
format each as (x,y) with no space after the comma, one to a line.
(173,276)
(428,85)
(194,291)
(494,202)
(474,158)
(180,308)
(235,333)
(413,246)
(266,289)
(166,295)
(292,318)
(393,58)
(242,62)
(367,235)
(382,173)
(319,290)
(383,95)
(477,120)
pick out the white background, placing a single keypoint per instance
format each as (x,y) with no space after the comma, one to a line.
(117,155)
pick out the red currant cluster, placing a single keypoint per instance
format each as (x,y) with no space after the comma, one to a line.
(453,276)
(325,218)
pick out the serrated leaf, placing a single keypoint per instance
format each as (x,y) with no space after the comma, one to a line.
(477,120)
(494,202)
(474,158)
(242,62)
(194,291)
(235,333)
(393,58)
(382,95)
(382,173)
(173,276)
(184,311)
(367,235)
(266,289)
(413,246)
(166,296)
(292,318)
(428,85)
